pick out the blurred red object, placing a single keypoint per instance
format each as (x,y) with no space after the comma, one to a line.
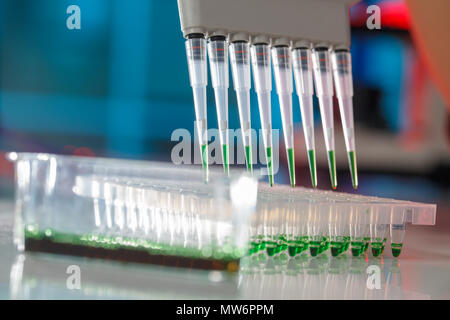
(393,14)
(430,27)
(84,152)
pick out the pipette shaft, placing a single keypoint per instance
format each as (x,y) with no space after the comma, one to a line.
(282,65)
(240,67)
(304,86)
(196,55)
(218,58)
(324,91)
(262,78)
(343,80)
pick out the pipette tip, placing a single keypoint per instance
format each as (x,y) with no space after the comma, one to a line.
(226,164)
(353,168)
(291,164)
(269,165)
(332,166)
(248,158)
(312,167)
(205,162)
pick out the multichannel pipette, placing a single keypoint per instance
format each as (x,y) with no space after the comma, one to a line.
(304,86)
(282,25)
(262,78)
(196,55)
(324,91)
(343,80)
(240,67)
(281,58)
(218,58)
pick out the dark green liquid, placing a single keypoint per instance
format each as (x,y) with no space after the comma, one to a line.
(396,249)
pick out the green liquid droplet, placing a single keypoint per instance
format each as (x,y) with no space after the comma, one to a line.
(270,165)
(291,163)
(353,168)
(332,166)
(248,158)
(396,249)
(226,164)
(312,167)
(205,161)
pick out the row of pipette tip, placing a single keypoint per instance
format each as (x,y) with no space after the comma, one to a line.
(323,63)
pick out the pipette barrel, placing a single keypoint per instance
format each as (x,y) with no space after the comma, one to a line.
(240,67)
(262,78)
(324,90)
(302,64)
(282,66)
(218,60)
(198,76)
(342,71)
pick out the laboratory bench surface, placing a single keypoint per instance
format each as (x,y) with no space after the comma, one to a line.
(421,272)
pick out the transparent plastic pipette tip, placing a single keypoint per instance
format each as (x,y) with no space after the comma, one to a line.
(312,167)
(248,158)
(291,165)
(332,167)
(270,165)
(226,164)
(204,150)
(353,168)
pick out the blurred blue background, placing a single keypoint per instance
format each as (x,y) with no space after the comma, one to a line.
(119,87)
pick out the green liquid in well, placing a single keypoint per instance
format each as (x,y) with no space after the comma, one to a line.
(271,248)
(336,248)
(377,248)
(396,249)
(314,248)
(357,248)
(223,252)
(292,250)
(335,251)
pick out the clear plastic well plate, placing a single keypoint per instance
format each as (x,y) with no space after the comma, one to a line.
(161,213)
